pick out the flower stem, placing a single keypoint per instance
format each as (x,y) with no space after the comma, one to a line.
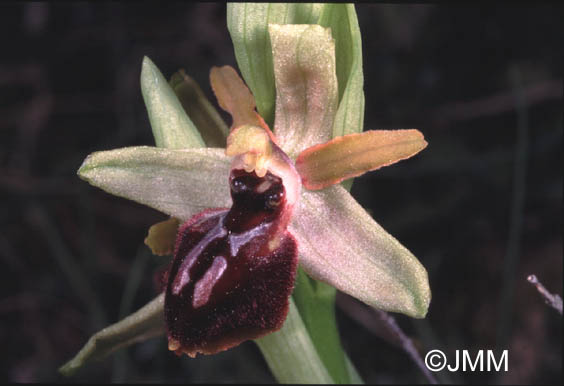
(290,352)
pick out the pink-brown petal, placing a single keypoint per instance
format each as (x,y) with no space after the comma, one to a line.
(352,155)
(161,237)
(234,97)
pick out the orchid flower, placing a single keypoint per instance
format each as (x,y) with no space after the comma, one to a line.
(269,200)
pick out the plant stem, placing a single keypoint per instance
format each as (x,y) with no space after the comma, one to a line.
(290,353)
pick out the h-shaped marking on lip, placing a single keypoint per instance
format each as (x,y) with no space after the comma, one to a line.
(204,286)
(183,276)
(236,241)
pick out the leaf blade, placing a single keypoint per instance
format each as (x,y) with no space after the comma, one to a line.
(354,376)
(342,20)
(248,28)
(172,128)
(146,323)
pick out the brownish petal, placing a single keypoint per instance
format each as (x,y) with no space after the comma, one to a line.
(211,126)
(234,97)
(351,155)
(162,236)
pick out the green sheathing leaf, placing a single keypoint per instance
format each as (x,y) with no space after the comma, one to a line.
(316,303)
(170,181)
(306,85)
(146,323)
(172,128)
(290,353)
(248,27)
(202,113)
(342,20)
(354,376)
(361,259)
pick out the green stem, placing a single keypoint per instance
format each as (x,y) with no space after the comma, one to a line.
(290,353)
(316,303)
(307,349)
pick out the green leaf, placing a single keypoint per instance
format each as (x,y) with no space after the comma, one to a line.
(290,353)
(354,376)
(342,20)
(340,244)
(248,27)
(316,303)
(206,118)
(171,181)
(146,323)
(306,85)
(172,128)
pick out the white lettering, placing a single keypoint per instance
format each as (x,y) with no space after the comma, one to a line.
(449,367)
(497,366)
(473,366)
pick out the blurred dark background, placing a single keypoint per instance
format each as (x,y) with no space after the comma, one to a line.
(481,206)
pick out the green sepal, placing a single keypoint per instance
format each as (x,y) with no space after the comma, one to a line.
(168,180)
(340,244)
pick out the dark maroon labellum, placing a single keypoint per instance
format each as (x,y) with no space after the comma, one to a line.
(233,270)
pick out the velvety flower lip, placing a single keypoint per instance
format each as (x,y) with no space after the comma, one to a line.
(234,269)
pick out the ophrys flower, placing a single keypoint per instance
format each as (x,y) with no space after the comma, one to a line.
(338,242)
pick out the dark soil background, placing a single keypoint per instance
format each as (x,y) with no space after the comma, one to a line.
(481,206)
